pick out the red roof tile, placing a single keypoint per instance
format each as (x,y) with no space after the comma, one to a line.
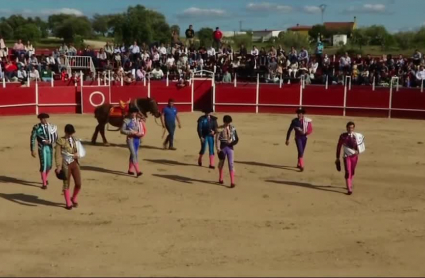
(300,28)
(339,25)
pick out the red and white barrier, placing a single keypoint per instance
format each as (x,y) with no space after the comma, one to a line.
(203,92)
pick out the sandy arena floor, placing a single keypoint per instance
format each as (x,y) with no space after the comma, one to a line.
(176,220)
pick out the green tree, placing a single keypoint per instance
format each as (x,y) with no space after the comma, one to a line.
(28,32)
(6,30)
(317,30)
(294,39)
(205,36)
(72,26)
(15,21)
(360,38)
(405,40)
(43,26)
(100,23)
(419,38)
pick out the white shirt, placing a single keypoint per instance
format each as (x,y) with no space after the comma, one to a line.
(135,49)
(345,61)
(170,61)
(420,75)
(211,52)
(22,74)
(157,73)
(254,52)
(163,50)
(156,56)
(34,74)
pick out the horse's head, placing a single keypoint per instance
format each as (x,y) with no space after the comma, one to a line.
(148,105)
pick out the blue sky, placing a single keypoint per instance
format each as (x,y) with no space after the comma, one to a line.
(255,14)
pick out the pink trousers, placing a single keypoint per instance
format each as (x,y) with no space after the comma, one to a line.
(350,164)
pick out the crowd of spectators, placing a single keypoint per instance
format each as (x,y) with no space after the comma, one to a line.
(178,60)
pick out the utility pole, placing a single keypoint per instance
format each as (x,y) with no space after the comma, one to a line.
(323,9)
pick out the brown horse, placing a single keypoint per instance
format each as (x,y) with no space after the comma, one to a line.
(114,115)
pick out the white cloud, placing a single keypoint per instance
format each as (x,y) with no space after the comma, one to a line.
(268,7)
(368,8)
(311,9)
(62,11)
(202,13)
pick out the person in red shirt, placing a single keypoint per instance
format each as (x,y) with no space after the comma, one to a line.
(10,70)
(217,36)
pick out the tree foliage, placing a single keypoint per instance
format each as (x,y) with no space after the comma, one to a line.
(100,24)
(68,27)
(28,32)
(205,36)
(294,39)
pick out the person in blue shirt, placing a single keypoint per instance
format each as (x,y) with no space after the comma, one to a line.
(168,119)
(207,127)
(319,52)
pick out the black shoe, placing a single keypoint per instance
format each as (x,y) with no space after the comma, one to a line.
(232,185)
(212,167)
(139,174)
(68,208)
(350,192)
(47,183)
(221,182)
(172,149)
(44,187)
(74,204)
(130,173)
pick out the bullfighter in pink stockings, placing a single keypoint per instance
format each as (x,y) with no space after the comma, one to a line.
(353,145)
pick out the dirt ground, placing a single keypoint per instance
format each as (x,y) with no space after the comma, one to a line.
(176,220)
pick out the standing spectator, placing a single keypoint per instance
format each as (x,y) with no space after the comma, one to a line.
(135,51)
(72,51)
(345,63)
(211,52)
(217,36)
(63,49)
(109,49)
(420,76)
(319,52)
(190,36)
(3,48)
(102,57)
(242,51)
(417,57)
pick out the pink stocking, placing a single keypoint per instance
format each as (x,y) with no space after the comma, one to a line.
(67,198)
(232,177)
(130,166)
(75,195)
(220,171)
(211,160)
(136,166)
(44,178)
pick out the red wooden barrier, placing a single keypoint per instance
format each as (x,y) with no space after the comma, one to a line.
(318,100)
(407,98)
(17,101)
(93,97)
(59,100)
(182,96)
(202,94)
(125,93)
(239,99)
(363,97)
(273,99)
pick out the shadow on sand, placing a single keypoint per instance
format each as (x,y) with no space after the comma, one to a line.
(29,200)
(260,164)
(113,145)
(309,185)
(169,162)
(19,181)
(103,170)
(183,179)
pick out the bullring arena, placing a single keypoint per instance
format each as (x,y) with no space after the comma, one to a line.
(176,220)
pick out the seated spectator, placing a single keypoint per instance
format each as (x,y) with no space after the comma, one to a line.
(19,48)
(21,61)
(10,70)
(157,73)
(227,77)
(102,57)
(312,67)
(345,63)
(34,74)
(29,49)
(140,74)
(33,63)
(72,51)
(22,76)
(117,55)
(293,67)
(211,52)
(90,77)
(303,56)
(46,75)
(109,49)
(255,52)
(128,78)
(63,49)
(355,74)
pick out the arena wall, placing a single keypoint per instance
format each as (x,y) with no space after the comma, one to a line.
(67,97)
